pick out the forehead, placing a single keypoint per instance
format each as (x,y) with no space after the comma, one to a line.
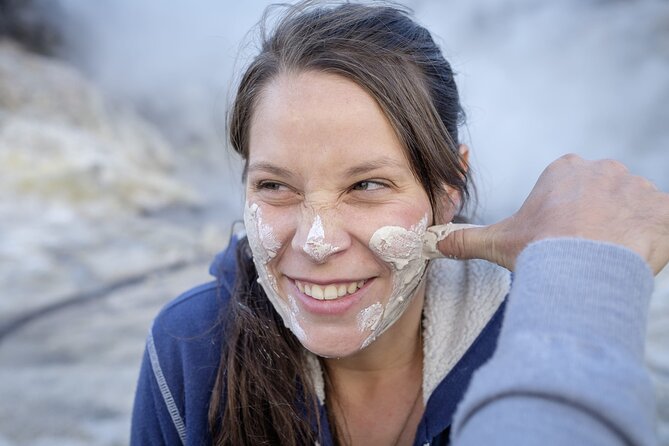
(315,118)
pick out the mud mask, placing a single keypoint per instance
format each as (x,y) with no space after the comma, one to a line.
(402,250)
(405,251)
(264,247)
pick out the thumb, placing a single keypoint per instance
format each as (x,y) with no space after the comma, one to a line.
(459,241)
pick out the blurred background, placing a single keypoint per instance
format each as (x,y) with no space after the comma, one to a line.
(117,188)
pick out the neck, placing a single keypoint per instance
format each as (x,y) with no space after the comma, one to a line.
(380,386)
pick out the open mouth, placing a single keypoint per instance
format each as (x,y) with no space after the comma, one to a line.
(330,291)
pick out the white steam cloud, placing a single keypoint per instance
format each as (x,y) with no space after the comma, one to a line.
(538,79)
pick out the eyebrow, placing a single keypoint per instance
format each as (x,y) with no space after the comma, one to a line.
(270,168)
(359,169)
(369,166)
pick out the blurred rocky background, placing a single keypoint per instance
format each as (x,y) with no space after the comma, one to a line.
(116,187)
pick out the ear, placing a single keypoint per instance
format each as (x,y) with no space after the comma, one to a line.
(463,150)
(451,200)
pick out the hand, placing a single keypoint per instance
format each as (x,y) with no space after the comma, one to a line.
(596,200)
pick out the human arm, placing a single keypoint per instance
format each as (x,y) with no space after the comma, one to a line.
(573,197)
(577,308)
(568,368)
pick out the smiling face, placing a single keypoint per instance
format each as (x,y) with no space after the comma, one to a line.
(334,215)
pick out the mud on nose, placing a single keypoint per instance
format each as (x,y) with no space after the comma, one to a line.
(315,246)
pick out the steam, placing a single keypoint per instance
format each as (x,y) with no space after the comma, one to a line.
(538,79)
(173,60)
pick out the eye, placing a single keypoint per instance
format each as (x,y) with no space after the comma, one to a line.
(271,186)
(274,192)
(369,185)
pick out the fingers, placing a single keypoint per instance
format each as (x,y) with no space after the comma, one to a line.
(461,241)
(461,244)
(594,200)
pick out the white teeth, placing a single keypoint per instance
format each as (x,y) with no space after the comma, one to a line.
(329,292)
(316,292)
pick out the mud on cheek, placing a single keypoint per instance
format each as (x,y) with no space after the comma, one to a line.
(264,246)
(369,318)
(402,250)
(264,243)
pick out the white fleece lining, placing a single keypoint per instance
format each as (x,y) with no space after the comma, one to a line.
(316,375)
(460,299)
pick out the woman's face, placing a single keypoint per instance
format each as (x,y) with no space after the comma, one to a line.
(334,215)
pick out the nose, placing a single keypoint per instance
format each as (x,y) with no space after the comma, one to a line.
(320,235)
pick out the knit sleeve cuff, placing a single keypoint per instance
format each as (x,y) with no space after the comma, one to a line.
(570,352)
(581,288)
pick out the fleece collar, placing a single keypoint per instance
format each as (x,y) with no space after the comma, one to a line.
(460,299)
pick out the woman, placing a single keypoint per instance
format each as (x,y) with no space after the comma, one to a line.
(334,327)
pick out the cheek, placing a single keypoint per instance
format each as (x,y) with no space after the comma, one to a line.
(399,246)
(395,232)
(267,231)
(404,215)
(449,205)
(266,243)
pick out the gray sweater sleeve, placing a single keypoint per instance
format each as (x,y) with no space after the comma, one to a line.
(568,368)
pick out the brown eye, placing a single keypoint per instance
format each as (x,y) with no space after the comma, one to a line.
(269,186)
(368,185)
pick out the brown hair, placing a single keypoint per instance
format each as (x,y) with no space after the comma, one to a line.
(263,392)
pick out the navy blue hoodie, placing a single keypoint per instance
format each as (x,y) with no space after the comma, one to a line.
(182,358)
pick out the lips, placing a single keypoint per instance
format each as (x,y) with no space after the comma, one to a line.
(323,299)
(329,291)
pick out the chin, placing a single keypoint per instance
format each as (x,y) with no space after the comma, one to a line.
(334,347)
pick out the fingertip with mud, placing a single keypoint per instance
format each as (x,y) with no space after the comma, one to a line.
(449,240)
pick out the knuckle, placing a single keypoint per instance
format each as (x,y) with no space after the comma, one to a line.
(570,157)
(645,183)
(613,166)
(459,243)
(652,185)
(564,163)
